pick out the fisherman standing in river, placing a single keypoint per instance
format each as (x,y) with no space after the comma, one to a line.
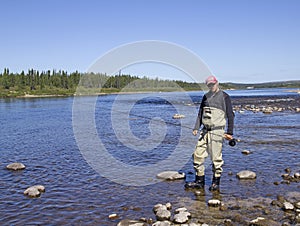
(215,110)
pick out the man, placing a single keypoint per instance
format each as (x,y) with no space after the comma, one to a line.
(215,110)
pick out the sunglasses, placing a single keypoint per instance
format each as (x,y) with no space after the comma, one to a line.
(211,85)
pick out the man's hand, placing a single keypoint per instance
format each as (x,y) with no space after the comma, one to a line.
(195,132)
(228,136)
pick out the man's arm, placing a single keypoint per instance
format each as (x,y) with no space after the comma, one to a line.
(199,118)
(229,114)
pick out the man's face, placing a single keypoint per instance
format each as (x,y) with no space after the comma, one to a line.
(213,87)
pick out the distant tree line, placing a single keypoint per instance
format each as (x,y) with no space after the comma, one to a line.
(62,82)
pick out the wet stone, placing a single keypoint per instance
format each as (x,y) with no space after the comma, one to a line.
(34,191)
(246,152)
(161,212)
(288,206)
(16,166)
(162,223)
(127,222)
(170,175)
(113,216)
(214,202)
(246,174)
(181,217)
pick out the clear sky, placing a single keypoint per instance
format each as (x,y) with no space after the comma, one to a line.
(240,40)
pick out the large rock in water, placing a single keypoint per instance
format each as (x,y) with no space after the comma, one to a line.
(246,174)
(15,166)
(170,175)
(34,191)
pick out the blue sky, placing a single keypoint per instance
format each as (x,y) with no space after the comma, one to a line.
(240,40)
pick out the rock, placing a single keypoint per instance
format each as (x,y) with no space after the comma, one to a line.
(16,166)
(161,212)
(297,175)
(246,152)
(157,206)
(34,191)
(181,217)
(260,221)
(214,202)
(169,206)
(170,175)
(285,176)
(162,223)
(287,170)
(194,224)
(182,209)
(163,215)
(178,116)
(113,216)
(246,174)
(127,222)
(288,206)
(267,111)
(297,205)
(280,199)
(228,222)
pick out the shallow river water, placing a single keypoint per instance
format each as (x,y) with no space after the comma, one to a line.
(111,168)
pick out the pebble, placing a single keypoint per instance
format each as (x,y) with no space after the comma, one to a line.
(246,174)
(178,116)
(16,166)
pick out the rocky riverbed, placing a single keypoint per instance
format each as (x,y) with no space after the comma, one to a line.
(206,208)
(267,104)
(227,211)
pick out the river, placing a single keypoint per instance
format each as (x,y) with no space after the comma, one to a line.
(138,138)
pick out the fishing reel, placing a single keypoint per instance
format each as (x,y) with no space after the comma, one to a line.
(233,142)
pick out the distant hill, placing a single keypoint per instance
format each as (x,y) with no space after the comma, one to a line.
(281,84)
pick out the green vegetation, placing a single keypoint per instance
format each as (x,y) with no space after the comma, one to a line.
(63,83)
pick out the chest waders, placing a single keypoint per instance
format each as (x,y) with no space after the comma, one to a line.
(209,144)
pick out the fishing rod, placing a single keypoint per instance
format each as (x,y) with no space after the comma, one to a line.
(232,142)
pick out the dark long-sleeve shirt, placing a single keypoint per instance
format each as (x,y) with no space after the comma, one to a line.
(220,100)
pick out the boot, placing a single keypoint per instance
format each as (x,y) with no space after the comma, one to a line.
(215,185)
(198,183)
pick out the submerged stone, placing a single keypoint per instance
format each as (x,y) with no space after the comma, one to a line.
(246,174)
(170,175)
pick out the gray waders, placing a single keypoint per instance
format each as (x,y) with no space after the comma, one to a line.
(210,144)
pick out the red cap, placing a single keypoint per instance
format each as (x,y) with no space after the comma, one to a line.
(211,79)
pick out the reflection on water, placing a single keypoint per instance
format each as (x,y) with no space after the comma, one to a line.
(38,132)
